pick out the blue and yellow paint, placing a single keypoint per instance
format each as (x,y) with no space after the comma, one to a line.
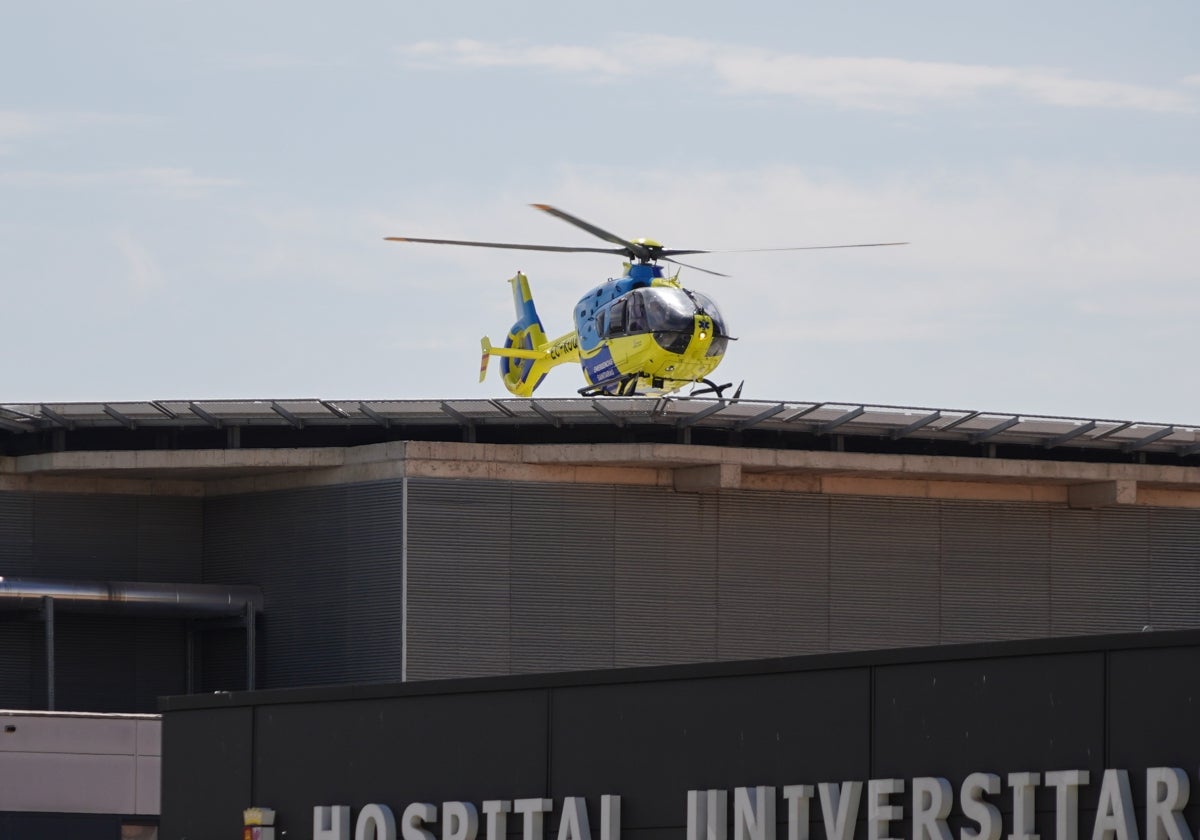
(628,363)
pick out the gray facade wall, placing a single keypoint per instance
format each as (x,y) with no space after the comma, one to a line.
(507,577)
(103,664)
(329,563)
(517,578)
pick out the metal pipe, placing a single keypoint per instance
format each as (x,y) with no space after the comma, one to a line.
(251,646)
(191,659)
(48,618)
(191,599)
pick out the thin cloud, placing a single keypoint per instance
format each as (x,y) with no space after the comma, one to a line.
(26,123)
(280,61)
(872,83)
(177,182)
(20,127)
(140,266)
(560,59)
(17,124)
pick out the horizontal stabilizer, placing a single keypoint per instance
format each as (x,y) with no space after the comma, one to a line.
(514,352)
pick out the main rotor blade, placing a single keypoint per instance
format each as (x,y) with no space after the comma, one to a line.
(639,251)
(677,251)
(560,248)
(695,267)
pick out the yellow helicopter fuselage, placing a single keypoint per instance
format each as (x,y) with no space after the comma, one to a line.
(641,333)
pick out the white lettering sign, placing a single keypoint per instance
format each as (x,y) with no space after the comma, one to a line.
(753,816)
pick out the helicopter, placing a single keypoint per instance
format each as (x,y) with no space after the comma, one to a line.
(642,333)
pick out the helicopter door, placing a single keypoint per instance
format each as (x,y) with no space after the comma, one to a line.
(626,316)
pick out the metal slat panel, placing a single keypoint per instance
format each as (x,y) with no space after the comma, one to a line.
(563,609)
(292,544)
(94,671)
(773,575)
(995,571)
(665,578)
(459,560)
(1174,569)
(884,588)
(329,563)
(104,664)
(16,534)
(90,537)
(170,539)
(160,661)
(17,641)
(1100,568)
(305,590)
(375,586)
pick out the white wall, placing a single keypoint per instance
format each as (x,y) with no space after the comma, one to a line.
(80,763)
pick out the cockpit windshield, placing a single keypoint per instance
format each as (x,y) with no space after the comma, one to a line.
(672,310)
(667,309)
(669,313)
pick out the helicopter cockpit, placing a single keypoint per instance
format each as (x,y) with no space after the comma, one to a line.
(668,313)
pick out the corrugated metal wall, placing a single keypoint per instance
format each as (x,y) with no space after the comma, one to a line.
(102,664)
(514,577)
(511,578)
(329,562)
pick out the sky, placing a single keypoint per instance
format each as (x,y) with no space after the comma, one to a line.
(194,195)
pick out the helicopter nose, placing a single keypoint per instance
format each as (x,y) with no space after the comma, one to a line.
(702,332)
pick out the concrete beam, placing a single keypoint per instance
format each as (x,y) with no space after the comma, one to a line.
(687,469)
(708,479)
(1103,494)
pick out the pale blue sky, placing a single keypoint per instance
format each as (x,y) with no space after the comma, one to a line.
(193,195)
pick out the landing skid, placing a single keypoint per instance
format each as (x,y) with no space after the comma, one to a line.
(713,388)
(626,386)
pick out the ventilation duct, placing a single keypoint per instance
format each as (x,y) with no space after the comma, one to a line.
(199,603)
(185,600)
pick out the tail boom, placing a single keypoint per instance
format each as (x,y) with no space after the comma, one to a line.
(527,354)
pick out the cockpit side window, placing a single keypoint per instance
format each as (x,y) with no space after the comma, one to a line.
(636,315)
(616,318)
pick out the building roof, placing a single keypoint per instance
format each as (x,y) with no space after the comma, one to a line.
(292,423)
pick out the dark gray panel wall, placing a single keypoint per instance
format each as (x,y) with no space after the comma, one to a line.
(960,715)
(100,537)
(504,754)
(508,577)
(696,733)
(329,563)
(16,532)
(226,738)
(651,736)
(102,663)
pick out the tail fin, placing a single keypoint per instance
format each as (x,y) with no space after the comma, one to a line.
(523,359)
